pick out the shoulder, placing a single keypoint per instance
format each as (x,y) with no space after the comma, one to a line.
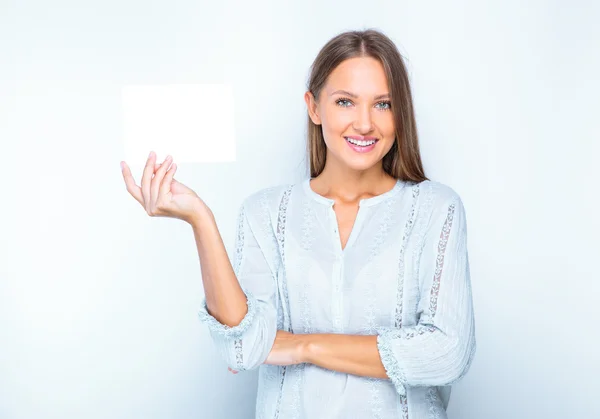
(439,192)
(437,198)
(265,202)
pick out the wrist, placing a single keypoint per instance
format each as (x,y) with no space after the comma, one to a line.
(305,348)
(201,216)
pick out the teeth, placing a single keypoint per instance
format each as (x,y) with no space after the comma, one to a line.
(359,142)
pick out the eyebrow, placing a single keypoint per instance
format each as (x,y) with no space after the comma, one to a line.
(345,92)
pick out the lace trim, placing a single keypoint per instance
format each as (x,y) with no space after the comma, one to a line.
(407,230)
(227,331)
(390,363)
(239,355)
(385,338)
(281,224)
(280,235)
(434,403)
(239,247)
(404,406)
(435,288)
(239,241)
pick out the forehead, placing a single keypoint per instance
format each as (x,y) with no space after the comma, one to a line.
(358,75)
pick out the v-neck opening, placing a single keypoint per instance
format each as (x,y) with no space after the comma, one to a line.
(355,226)
(362,206)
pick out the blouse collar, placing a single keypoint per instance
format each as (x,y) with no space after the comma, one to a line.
(362,203)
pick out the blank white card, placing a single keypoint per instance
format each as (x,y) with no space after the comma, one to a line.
(191,122)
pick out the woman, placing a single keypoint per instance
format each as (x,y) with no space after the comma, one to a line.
(350,290)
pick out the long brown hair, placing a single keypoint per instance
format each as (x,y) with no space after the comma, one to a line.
(403,161)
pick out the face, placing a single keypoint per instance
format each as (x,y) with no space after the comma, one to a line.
(354,107)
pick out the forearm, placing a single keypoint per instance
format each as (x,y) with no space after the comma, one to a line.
(225,299)
(351,354)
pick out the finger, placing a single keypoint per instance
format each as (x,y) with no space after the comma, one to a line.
(158,177)
(132,188)
(165,186)
(147,179)
(233,371)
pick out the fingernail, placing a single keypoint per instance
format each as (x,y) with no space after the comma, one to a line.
(150,155)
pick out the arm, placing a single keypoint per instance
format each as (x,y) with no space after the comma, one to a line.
(239,307)
(439,349)
(351,354)
(224,298)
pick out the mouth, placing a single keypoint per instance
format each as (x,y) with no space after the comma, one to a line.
(361,146)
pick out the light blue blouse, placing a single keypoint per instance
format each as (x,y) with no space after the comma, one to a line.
(403,275)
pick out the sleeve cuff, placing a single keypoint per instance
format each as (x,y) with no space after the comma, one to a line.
(226,331)
(384,344)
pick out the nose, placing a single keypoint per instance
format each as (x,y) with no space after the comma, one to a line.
(362,121)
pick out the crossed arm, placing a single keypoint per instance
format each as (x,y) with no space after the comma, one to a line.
(351,354)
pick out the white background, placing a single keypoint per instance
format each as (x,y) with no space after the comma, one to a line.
(98,301)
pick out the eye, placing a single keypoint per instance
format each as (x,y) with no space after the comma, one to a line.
(342,100)
(388,103)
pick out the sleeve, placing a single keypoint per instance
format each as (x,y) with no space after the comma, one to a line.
(438,351)
(247,345)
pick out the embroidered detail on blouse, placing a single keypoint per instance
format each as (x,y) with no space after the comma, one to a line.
(239,353)
(296,388)
(384,228)
(425,211)
(384,342)
(439,264)
(308,235)
(305,321)
(404,406)
(371,309)
(223,329)
(370,316)
(281,219)
(268,375)
(272,249)
(239,241)
(305,301)
(375,401)
(307,242)
(407,230)
(283,370)
(434,402)
(280,234)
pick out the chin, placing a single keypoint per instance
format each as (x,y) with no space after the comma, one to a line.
(361,164)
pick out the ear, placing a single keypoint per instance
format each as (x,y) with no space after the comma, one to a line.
(311,105)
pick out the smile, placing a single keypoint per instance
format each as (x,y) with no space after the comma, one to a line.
(361,146)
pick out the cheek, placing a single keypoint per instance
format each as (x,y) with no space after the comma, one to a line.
(336,121)
(386,122)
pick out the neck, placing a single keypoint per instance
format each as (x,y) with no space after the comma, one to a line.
(351,185)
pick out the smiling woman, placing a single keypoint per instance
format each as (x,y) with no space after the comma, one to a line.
(350,291)
(357,284)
